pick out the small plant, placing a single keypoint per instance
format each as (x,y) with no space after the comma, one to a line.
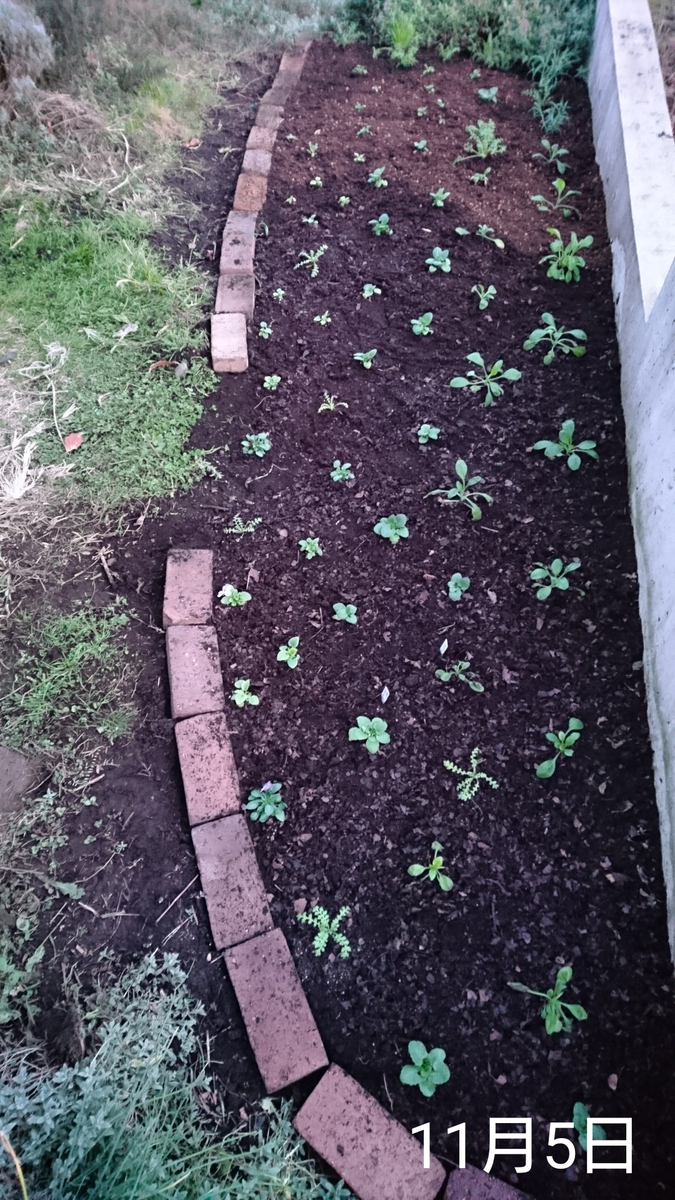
(256,443)
(489,95)
(327,929)
(427,433)
(421,147)
(365,129)
(369,290)
(422,110)
(464,232)
(556,1019)
(366,357)
(439,261)
(553,154)
(241,527)
(439,197)
(428,1069)
(486,232)
(341,472)
(428,70)
(566,446)
(360,107)
(565,261)
(278,294)
(312,149)
(432,871)
(475,74)
(483,142)
(547,579)
(264,330)
(580,1115)
(345,612)
(372,731)
(288,653)
(440,104)
(316,181)
(487,378)
(242,693)
(359,70)
(485,294)
(266,802)
(457,585)
(558,338)
(310,220)
(421,326)
(324,318)
(461,672)
(481,176)
(359,158)
(271,382)
(331,403)
(290,200)
(561,202)
(393,528)
(563,742)
(311,547)
(230,597)
(310,258)
(471,779)
(462,493)
(551,113)
(381,225)
(376,177)
(344,201)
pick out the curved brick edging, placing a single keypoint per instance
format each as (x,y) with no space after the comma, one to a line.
(235,298)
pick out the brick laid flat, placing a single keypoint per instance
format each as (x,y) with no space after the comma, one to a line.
(237,251)
(188,588)
(277,94)
(261,139)
(194,670)
(269,116)
(377,1158)
(236,294)
(279,1023)
(473,1184)
(229,351)
(293,60)
(231,882)
(286,78)
(242,223)
(257,162)
(207,765)
(250,193)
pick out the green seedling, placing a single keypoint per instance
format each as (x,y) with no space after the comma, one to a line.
(462,493)
(372,731)
(341,472)
(359,158)
(278,294)
(310,220)
(439,197)
(433,871)
(485,294)
(393,528)
(344,201)
(324,318)
(421,147)
(264,330)
(312,149)
(427,433)
(553,154)
(558,338)
(565,261)
(461,672)
(256,443)
(556,1019)
(547,579)
(317,181)
(242,693)
(457,585)
(487,378)
(440,104)
(381,225)
(290,200)
(471,779)
(551,113)
(488,94)
(359,70)
(231,598)
(310,258)
(271,382)
(428,70)
(462,231)
(365,129)
(327,929)
(422,110)
(376,177)
(486,232)
(366,357)
(561,202)
(475,74)
(288,653)
(566,446)
(331,403)
(360,107)
(427,1071)
(563,742)
(241,527)
(369,290)
(483,142)
(311,547)
(266,802)
(439,261)
(421,326)
(345,612)
(481,176)
(580,1116)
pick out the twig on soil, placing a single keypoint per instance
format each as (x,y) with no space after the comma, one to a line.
(177,898)
(391,1102)
(110,575)
(175,930)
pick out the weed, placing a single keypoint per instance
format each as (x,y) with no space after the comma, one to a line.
(486,232)
(230,597)
(372,731)
(360,107)
(381,225)
(457,585)
(312,149)
(393,528)
(257,443)
(331,403)
(471,779)
(278,294)
(461,672)
(563,743)
(310,220)
(365,357)
(310,258)
(548,579)
(561,202)
(439,197)
(402,36)
(311,547)
(421,147)
(580,1117)
(556,1019)
(342,472)
(290,200)
(551,113)
(345,612)
(264,330)
(488,94)
(462,491)
(421,326)
(344,201)
(376,177)
(271,382)
(553,154)
(324,318)
(242,694)
(565,261)
(316,182)
(433,871)
(483,142)
(369,290)
(481,176)
(363,131)
(566,446)
(557,337)
(327,929)
(485,294)
(266,802)
(359,69)
(427,433)
(428,1069)
(359,158)
(439,261)
(288,653)
(487,378)
(241,527)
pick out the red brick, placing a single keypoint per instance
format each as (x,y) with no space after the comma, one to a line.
(377,1158)
(241,223)
(280,1025)
(257,162)
(293,60)
(194,670)
(269,116)
(231,882)
(188,588)
(286,78)
(276,95)
(236,294)
(237,251)
(210,779)
(472,1184)
(261,139)
(250,193)
(229,351)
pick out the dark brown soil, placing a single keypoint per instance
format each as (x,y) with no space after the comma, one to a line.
(545,872)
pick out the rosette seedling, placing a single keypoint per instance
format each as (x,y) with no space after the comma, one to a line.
(489,95)
(288,653)
(580,1119)
(567,446)
(377,178)
(256,443)
(482,176)
(372,731)
(271,382)
(345,612)
(462,492)
(323,318)
(327,929)
(422,325)
(370,290)
(487,233)
(485,294)
(242,693)
(231,598)
(393,528)
(428,1069)
(421,147)
(380,225)
(264,330)
(266,802)
(427,433)
(563,743)
(471,779)
(557,338)
(433,871)
(341,472)
(555,1010)
(439,261)
(365,357)
(461,672)
(486,377)
(331,403)
(457,585)
(547,579)
(564,261)
(439,197)
(561,202)
(311,547)
(317,181)
(553,155)
(310,259)
(483,142)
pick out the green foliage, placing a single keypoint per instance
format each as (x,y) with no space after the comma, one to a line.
(421,147)
(486,377)
(331,403)
(457,585)
(547,579)
(488,94)
(393,528)
(311,547)
(18,980)
(427,433)
(566,446)
(365,357)
(345,612)
(402,37)
(363,131)
(422,110)
(312,219)
(481,176)
(428,1069)
(312,149)
(462,491)
(264,330)
(565,261)
(376,177)
(327,929)
(558,338)
(256,443)
(266,802)
(556,1019)
(241,527)
(563,743)
(359,158)
(316,181)
(288,653)
(422,325)
(323,318)
(471,779)
(439,261)
(485,294)
(433,871)
(271,382)
(551,113)
(342,472)
(461,672)
(310,259)
(483,142)
(553,154)
(561,202)
(370,290)
(439,197)
(381,225)
(359,69)
(242,694)
(230,597)
(580,1115)
(278,294)
(487,233)
(372,731)
(344,201)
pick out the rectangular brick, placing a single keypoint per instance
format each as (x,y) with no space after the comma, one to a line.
(261,139)
(373,1153)
(269,116)
(293,59)
(250,193)
(194,670)
(229,351)
(470,1183)
(242,223)
(207,765)
(188,588)
(237,252)
(232,884)
(281,1029)
(285,78)
(276,95)
(236,294)
(257,162)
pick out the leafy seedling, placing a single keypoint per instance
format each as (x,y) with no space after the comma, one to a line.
(439,261)
(341,472)
(365,129)
(462,493)
(256,443)
(427,1071)
(327,929)
(580,1115)
(553,154)
(393,528)
(429,87)
(551,113)
(377,178)
(433,871)
(427,433)
(365,357)
(331,403)
(278,294)
(557,337)
(481,176)
(487,378)
(421,147)
(381,225)
(561,202)
(566,446)
(271,382)
(439,197)
(266,802)
(563,742)
(485,294)
(565,261)
(372,731)
(311,547)
(359,158)
(323,318)
(422,110)
(317,181)
(428,70)
(310,220)
(288,653)
(264,330)
(359,69)
(555,1017)
(242,693)
(369,290)
(548,579)
(457,585)
(310,259)
(241,527)
(291,200)
(475,74)
(231,598)
(421,326)
(471,779)
(344,201)
(312,149)
(483,142)
(360,107)
(486,232)
(488,94)
(345,612)
(461,672)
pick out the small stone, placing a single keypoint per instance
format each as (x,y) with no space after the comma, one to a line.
(469,1183)
(300,905)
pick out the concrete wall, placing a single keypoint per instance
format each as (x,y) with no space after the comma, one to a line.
(636,155)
